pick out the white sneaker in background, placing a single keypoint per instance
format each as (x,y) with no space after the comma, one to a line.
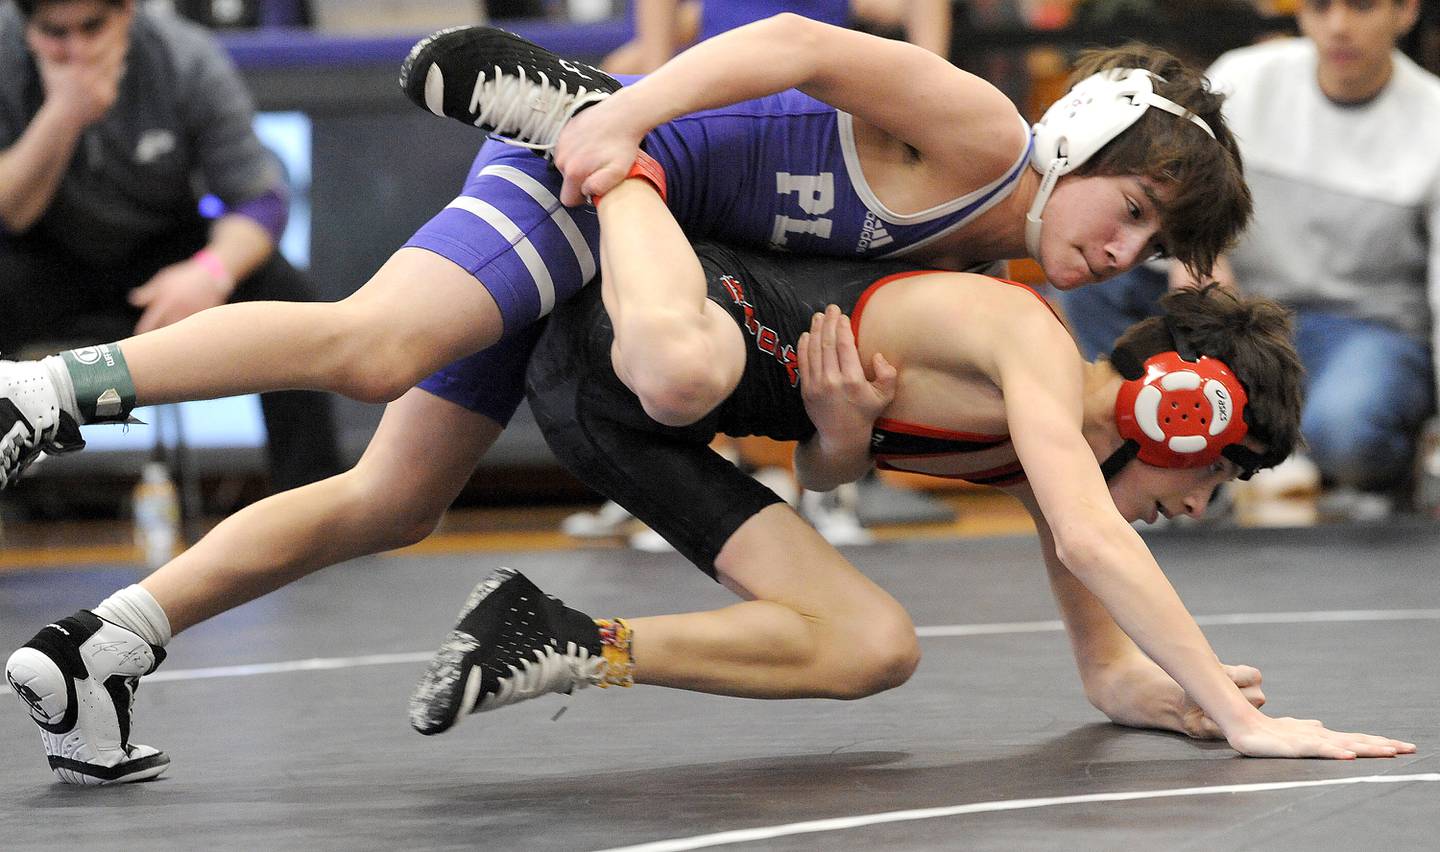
(833,515)
(1296,476)
(647,540)
(1352,504)
(781,481)
(607,521)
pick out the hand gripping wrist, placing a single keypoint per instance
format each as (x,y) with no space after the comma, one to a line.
(646,168)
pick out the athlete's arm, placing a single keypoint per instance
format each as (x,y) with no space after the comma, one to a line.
(1119,680)
(1042,382)
(841,401)
(946,114)
(679,352)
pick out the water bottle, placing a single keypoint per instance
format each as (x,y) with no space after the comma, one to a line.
(157,515)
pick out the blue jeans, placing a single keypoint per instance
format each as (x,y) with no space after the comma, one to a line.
(1100,313)
(1368,390)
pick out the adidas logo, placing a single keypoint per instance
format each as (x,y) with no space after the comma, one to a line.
(872,235)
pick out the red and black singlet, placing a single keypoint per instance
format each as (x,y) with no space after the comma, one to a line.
(772,297)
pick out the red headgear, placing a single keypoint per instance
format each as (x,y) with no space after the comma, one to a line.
(1183,414)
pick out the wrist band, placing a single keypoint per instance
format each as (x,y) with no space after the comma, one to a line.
(646,168)
(211,263)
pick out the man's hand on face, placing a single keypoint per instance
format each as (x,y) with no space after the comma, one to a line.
(81,73)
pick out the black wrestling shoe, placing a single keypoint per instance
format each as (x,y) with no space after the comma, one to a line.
(31,420)
(513,643)
(78,678)
(515,90)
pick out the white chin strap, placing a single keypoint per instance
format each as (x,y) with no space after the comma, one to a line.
(1061,164)
(1042,195)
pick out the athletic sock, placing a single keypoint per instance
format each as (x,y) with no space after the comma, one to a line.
(615,639)
(99,383)
(136,609)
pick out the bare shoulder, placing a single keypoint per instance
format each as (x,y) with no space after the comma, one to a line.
(974,318)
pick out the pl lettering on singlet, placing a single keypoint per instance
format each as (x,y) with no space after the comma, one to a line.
(767,340)
(815,195)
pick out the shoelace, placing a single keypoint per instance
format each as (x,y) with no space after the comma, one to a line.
(18,442)
(510,106)
(550,671)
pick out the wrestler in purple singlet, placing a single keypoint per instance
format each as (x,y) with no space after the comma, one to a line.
(802,191)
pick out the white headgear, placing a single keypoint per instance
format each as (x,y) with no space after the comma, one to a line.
(1074,128)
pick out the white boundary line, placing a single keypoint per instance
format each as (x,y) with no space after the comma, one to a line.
(1319,617)
(749,835)
(934,632)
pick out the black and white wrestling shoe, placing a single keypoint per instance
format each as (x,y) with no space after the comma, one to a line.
(31,419)
(78,678)
(514,90)
(513,643)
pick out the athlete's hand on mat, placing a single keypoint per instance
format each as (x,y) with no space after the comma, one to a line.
(841,400)
(1264,736)
(176,292)
(596,149)
(1193,720)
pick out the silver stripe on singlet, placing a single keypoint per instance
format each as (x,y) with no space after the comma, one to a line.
(524,249)
(559,214)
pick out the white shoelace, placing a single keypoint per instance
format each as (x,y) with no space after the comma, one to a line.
(524,112)
(16,442)
(551,671)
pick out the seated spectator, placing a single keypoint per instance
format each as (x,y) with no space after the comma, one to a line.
(1339,131)
(113,123)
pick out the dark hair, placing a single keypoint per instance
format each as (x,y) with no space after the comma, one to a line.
(28,7)
(1252,335)
(1210,204)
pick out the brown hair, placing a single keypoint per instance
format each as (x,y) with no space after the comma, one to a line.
(1252,335)
(28,7)
(1210,203)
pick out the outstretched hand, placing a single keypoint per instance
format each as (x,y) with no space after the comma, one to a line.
(595,151)
(1289,737)
(841,400)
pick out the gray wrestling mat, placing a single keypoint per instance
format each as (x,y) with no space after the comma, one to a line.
(286,718)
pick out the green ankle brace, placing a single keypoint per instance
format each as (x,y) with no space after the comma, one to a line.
(103,388)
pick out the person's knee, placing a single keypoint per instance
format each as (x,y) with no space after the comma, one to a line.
(883,652)
(389,515)
(369,358)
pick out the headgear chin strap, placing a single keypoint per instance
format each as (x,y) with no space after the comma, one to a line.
(1074,128)
(1179,410)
